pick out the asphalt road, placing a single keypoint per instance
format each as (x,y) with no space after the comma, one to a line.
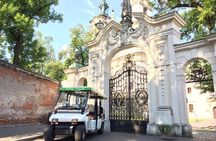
(128,137)
(34,132)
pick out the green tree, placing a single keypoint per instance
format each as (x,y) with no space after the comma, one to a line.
(2,49)
(78,52)
(40,58)
(55,70)
(200,72)
(200,16)
(37,53)
(18,19)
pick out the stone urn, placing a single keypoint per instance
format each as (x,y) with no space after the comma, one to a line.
(163,3)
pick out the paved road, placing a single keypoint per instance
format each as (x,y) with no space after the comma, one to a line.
(209,125)
(122,137)
(35,132)
(132,137)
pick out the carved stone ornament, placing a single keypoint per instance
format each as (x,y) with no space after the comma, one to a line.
(142,31)
(95,57)
(113,37)
(129,35)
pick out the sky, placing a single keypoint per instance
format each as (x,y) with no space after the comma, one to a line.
(74,12)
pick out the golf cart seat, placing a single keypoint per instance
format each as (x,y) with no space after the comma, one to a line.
(91,109)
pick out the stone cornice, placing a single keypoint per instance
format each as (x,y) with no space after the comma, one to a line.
(104,32)
(75,70)
(100,16)
(161,35)
(173,16)
(211,38)
(163,18)
(83,69)
(70,70)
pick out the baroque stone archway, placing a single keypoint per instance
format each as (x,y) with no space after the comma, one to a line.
(159,39)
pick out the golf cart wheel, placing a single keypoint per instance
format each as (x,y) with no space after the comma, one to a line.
(49,134)
(101,130)
(80,133)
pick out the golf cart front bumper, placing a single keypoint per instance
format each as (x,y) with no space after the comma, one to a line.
(64,129)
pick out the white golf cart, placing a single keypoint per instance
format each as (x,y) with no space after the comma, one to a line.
(78,112)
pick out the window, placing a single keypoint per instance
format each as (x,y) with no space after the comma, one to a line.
(85,83)
(191,108)
(189,90)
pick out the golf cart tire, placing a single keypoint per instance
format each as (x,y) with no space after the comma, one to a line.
(49,134)
(80,133)
(101,130)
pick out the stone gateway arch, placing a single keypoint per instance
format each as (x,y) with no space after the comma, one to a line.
(147,99)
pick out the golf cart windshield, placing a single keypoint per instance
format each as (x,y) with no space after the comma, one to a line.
(73,101)
(76,98)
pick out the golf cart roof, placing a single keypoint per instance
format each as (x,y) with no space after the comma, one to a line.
(92,91)
(76,89)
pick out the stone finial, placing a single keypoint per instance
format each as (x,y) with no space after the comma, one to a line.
(126,15)
(103,8)
(141,6)
(113,14)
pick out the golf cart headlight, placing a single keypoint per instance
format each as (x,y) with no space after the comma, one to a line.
(74,121)
(55,121)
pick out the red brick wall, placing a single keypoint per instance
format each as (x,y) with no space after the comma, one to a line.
(25,97)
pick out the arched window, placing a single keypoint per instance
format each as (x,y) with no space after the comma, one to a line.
(83,82)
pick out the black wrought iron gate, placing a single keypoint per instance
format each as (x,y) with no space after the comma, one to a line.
(129,99)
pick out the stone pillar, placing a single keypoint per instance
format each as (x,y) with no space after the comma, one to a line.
(184,121)
(166,80)
(153,101)
(214,68)
(174,94)
(106,104)
(215,49)
(164,111)
(214,79)
(152,98)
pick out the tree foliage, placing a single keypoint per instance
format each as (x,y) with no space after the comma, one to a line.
(37,53)
(200,72)
(55,70)
(17,21)
(77,52)
(40,58)
(2,47)
(200,16)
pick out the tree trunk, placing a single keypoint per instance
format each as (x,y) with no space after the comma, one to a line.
(17,51)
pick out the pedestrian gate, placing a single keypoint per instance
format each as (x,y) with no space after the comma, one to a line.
(129,99)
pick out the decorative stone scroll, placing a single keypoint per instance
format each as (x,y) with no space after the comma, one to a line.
(96,66)
(126,36)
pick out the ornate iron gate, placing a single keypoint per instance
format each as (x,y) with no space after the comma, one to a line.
(129,99)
